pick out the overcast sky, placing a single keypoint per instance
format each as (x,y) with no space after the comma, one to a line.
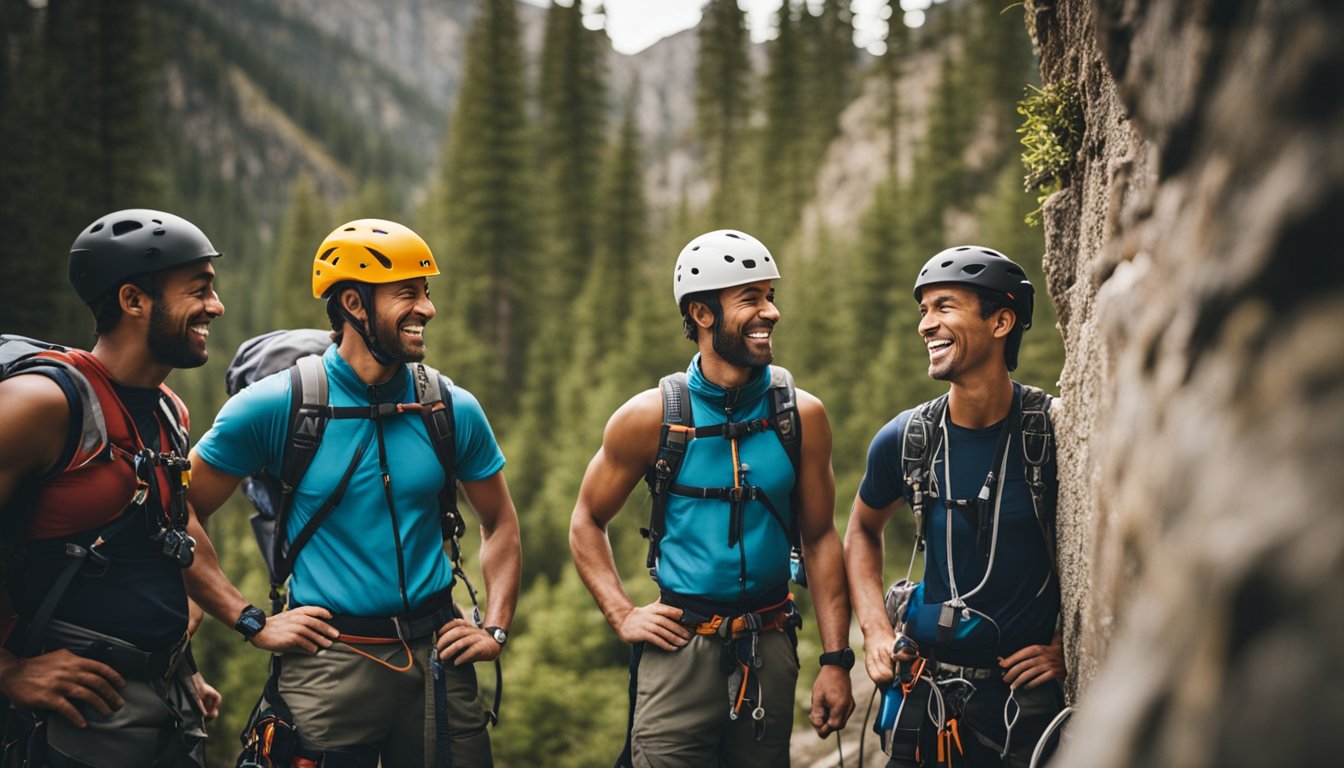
(636,24)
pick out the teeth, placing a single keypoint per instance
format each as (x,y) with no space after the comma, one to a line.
(414,330)
(758,335)
(202,329)
(939,344)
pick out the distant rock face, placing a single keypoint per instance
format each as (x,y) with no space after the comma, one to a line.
(1196,263)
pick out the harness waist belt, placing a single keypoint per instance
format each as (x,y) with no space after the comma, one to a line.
(772,619)
(422,622)
(944,670)
(133,663)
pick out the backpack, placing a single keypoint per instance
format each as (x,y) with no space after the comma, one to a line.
(923,439)
(23,355)
(678,430)
(300,351)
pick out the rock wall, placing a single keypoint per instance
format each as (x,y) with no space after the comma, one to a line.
(1196,259)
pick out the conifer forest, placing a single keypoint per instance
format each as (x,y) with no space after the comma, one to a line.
(556,180)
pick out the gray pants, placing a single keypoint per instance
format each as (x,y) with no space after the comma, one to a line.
(682,706)
(159,725)
(341,700)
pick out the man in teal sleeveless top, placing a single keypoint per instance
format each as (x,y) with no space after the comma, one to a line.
(715,656)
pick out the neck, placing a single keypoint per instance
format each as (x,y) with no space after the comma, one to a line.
(981,402)
(128,361)
(720,371)
(361,361)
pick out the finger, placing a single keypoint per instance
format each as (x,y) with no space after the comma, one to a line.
(91,698)
(100,691)
(675,635)
(659,642)
(102,671)
(665,611)
(69,712)
(1036,677)
(1022,654)
(310,610)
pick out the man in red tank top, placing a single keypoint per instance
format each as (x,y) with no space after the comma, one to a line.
(92,520)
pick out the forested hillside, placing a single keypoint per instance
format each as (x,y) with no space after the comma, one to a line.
(556,182)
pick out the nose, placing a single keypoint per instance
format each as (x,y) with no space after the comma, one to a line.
(770,312)
(927,324)
(213,306)
(425,307)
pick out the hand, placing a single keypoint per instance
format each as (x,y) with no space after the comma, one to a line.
(878,660)
(207,698)
(300,630)
(654,623)
(832,700)
(1035,664)
(462,642)
(56,681)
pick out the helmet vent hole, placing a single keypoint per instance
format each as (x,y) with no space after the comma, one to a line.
(362,265)
(728,258)
(749,263)
(767,258)
(348,229)
(424,262)
(327,253)
(386,262)
(695,270)
(157,221)
(695,248)
(159,232)
(333,261)
(946,264)
(96,228)
(122,227)
(380,231)
(733,235)
(973,269)
(962,248)
(1016,271)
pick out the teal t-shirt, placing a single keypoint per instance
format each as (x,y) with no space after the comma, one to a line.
(350,565)
(696,559)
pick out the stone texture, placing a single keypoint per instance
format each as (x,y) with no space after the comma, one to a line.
(1195,260)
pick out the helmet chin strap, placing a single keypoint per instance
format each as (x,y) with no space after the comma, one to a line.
(365,329)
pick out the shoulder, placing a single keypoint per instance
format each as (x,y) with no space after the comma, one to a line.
(261,399)
(632,432)
(889,437)
(35,422)
(34,397)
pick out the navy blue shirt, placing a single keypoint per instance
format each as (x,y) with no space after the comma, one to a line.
(1021,596)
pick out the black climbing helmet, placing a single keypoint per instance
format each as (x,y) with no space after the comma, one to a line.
(133,242)
(985,268)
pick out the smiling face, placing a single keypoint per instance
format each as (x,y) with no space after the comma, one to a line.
(959,341)
(742,337)
(402,310)
(179,319)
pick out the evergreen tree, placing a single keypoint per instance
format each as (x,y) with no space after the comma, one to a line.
(722,98)
(831,79)
(482,211)
(783,170)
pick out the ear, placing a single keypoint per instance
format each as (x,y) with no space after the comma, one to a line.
(353,303)
(1004,322)
(134,302)
(701,315)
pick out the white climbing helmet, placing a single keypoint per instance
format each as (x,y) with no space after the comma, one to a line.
(721,259)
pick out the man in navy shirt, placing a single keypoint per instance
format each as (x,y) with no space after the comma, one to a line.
(979,634)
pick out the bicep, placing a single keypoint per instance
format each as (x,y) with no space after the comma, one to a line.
(210,486)
(629,445)
(816,483)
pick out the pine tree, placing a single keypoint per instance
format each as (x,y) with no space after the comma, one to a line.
(783,170)
(482,211)
(722,98)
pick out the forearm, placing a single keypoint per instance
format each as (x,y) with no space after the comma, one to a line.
(501,567)
(826,575)
(597,568)
(863,560)
(206,583)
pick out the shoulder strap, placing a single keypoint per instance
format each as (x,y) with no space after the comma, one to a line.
(788,426)
(671,451)
(919,445)
(434,392)
(308,415)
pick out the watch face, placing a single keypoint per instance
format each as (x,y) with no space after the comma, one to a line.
(500,635)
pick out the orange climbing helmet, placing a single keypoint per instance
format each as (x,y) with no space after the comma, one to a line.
(370,251)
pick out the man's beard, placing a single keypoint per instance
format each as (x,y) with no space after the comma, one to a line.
(732,347)
(168,346)
(390,343)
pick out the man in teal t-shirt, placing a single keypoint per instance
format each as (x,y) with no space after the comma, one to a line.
(370,603)
(715,657)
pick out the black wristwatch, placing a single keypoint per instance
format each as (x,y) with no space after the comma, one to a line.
(250,622)
(841,658)
(499,634)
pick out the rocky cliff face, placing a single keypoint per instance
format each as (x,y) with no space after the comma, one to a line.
(1195,263)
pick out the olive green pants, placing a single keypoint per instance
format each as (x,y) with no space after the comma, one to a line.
(682,707)
(158,725)
(341,699)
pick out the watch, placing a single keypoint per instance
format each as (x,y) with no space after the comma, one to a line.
(499,635)
(250,622)
(841,658)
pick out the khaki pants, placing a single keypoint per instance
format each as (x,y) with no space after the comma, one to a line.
(682,705)
(341,699)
